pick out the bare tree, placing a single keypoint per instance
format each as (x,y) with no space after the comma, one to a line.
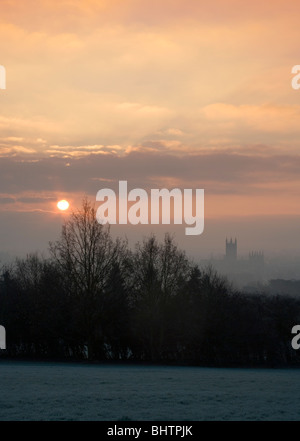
(86,254)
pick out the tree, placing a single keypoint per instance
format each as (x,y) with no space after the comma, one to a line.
(86,255)
(35,308)
(156,274)
(116,320)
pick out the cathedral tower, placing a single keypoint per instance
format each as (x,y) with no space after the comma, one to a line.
(231,250)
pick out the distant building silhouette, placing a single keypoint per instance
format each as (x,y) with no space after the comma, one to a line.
(231,250)
(241,270)
(256,258)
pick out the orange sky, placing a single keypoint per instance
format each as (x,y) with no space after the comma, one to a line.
(193,94)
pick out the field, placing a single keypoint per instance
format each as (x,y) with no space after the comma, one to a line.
(36,391)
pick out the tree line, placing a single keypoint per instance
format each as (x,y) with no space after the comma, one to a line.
(96,299)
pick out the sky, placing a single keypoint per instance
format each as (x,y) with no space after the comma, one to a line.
(163,94)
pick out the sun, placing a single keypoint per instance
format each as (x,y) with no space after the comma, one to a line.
(63,205)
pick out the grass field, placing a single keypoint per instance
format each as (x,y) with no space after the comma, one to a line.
(36,391)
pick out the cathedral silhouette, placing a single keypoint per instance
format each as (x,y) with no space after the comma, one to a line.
(241,270)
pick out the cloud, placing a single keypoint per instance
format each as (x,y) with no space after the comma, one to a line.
(231,172)
(276,119)
(7,200)
(121,72)
(35,199)
(57,15)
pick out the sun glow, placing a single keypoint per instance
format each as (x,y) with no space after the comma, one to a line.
(63,205)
